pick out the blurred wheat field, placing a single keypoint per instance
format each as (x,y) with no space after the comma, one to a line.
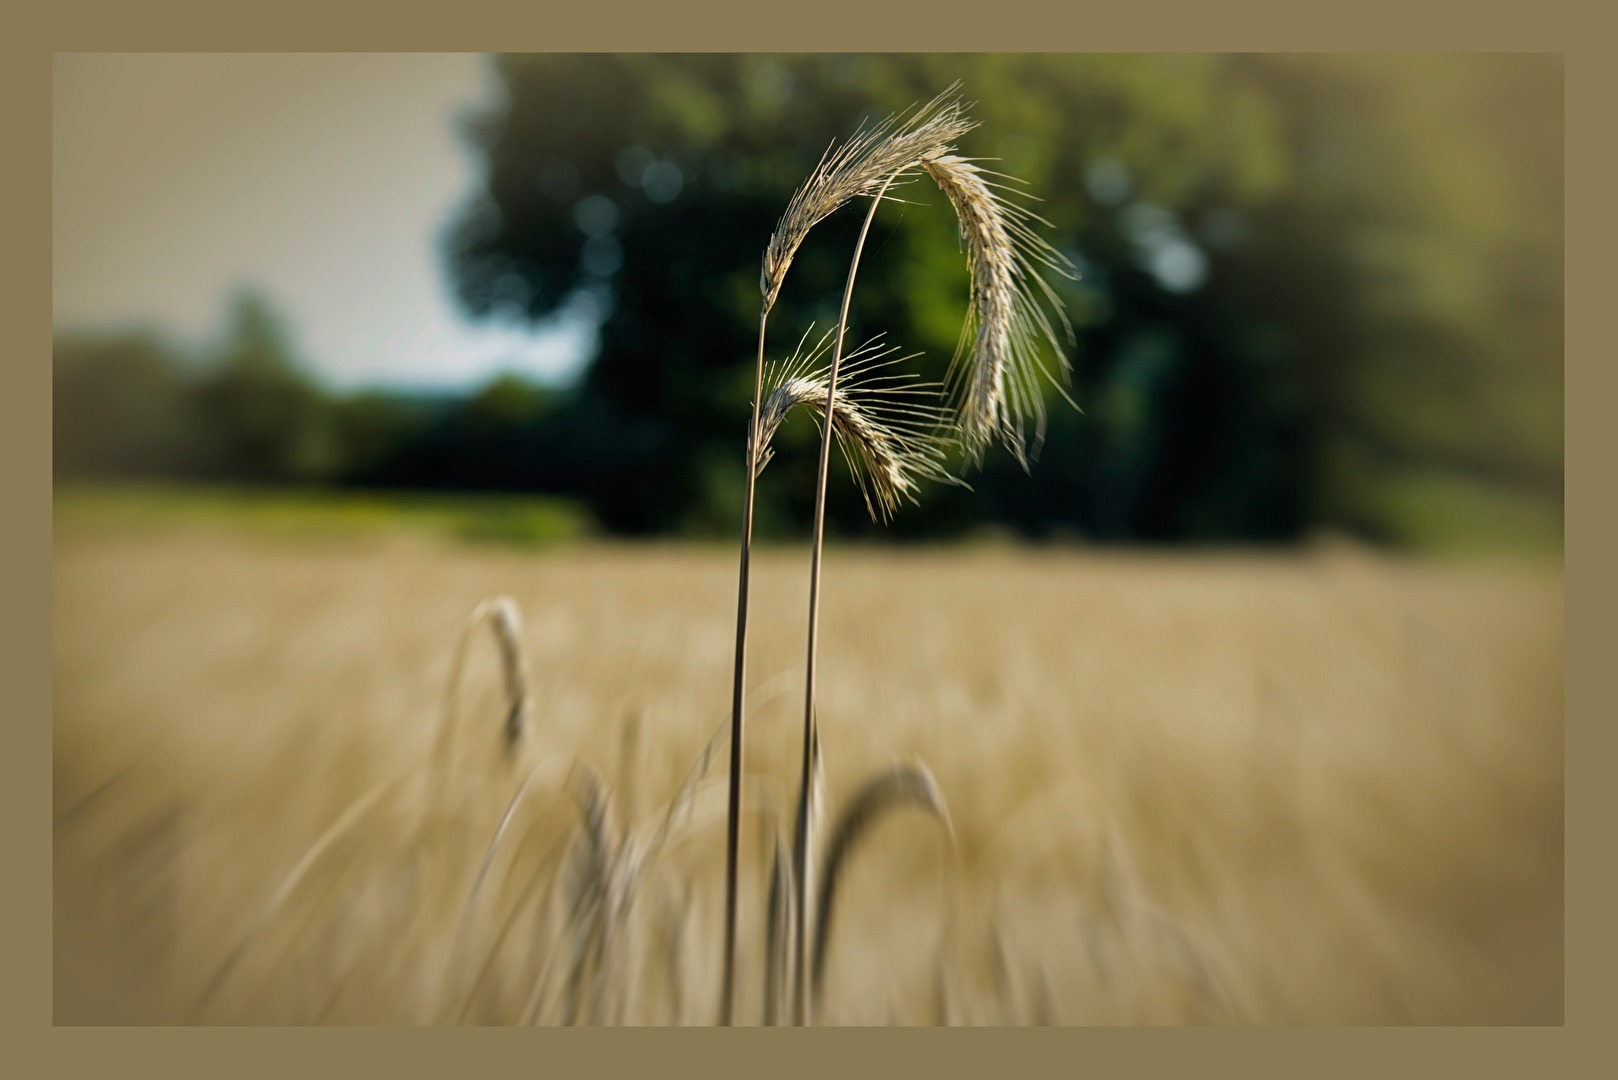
(1315,788)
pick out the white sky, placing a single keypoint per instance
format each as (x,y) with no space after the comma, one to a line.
(325,180)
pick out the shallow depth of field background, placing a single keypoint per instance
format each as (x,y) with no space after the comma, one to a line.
(1245,702)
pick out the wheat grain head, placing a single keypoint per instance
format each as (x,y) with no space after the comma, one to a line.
(890,426)
(859,167)
(997,375)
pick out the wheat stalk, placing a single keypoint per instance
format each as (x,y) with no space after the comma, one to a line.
(727,995)
(811,738)
(598,888)
(997,378)
(778,915)
(995,383)
(872,157)
(869,162)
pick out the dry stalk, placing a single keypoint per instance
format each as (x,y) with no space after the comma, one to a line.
(802,1005)
(539,777)
(727,996)
(355,813)
(776,929)
(540,874)
(901,786)
(996,379)
(869,162)
(598,893)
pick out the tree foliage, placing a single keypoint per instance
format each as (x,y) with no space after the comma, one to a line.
(1307,281)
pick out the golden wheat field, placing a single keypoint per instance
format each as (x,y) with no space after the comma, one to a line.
(1322,787)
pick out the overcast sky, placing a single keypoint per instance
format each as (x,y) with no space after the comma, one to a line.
(325,180)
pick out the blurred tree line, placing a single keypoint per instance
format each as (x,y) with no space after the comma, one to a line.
(1316,291)
(133,405)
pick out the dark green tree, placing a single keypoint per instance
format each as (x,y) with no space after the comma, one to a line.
(499,438)
(654,181)
(1314,287)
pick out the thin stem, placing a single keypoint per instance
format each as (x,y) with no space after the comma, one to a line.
(733,832)
(801,1008)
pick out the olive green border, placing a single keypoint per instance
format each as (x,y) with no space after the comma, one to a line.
(30,40)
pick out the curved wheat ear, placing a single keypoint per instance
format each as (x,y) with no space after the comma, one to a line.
(903,785)
(996,382)
(506,624)
(888,425)
(861,166)
(508,632)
